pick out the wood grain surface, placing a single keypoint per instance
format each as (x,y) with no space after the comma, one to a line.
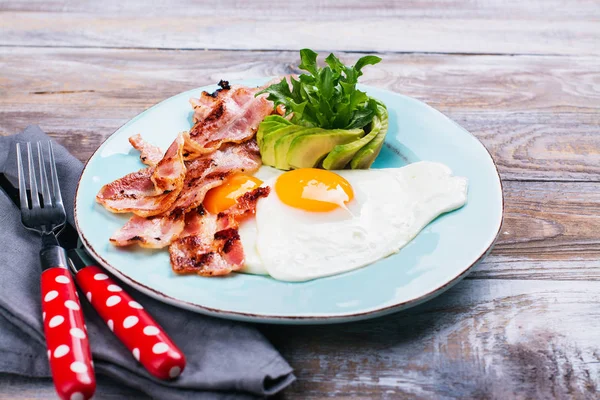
(481,340)
(537,115)
(492,26)
(522,76)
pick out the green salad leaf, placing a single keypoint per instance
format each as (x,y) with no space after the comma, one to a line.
(325,97)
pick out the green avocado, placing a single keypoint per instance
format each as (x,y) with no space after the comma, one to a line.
(267,149)
(282,146)
(270,123)
(341,154)
(307,151)
(369,152)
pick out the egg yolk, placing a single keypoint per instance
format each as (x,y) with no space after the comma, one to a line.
(313,189)
(222,197)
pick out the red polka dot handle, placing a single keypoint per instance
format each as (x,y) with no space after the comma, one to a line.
(138,331)
(66,336)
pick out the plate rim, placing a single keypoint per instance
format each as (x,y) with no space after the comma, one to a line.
(287,319)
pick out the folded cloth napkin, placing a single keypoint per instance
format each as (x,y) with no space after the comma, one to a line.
(225,359)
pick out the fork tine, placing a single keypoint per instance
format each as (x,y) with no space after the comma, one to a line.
(22,184)
(44,177)
(54,176)
(33,187)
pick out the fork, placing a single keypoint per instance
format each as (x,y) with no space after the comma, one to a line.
(66,334)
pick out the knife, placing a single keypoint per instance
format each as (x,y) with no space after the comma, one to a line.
(126,318)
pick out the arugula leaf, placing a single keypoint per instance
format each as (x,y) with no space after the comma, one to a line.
(325,97)
(308,60)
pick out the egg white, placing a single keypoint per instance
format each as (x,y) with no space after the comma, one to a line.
(390,207)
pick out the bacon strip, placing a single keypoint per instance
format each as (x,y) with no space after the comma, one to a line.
(207,101)
(170,171)
(153,232)
(208,171)
(210,245)
(149,153)
(203,174)
(150,191)
(230,115)
(166,197)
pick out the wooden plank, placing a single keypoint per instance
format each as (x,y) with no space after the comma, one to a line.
(492,26)
(490,339)
(542,266)
(496,9)
(482,339)
(539,116)
(24,388)
(550,231)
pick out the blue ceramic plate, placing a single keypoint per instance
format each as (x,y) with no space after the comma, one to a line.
(437,258)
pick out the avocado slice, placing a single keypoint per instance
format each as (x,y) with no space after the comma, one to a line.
(307,151)
(268,124)
(282,146)
(341,154)
(267,149)
(369,152)
(276,118)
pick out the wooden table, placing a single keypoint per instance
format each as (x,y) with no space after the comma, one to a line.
(523,76)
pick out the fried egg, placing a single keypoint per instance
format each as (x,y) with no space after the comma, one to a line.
(317,223)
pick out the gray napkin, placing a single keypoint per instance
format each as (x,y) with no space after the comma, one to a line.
(225,359)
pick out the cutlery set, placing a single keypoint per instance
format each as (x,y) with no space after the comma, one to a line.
(69,354)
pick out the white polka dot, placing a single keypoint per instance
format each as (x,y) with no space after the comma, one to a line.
(151,330)
(71,305)
(114,288)
(100,277)
(160,348)
(136,353)
(111,324)
(135,304)
(62,279)
(44,316)
(49,354)
(56,321)
(175,371)
(85,379)
(77,333)
(112,300)
(51,295)
(77,294)
(61,351)
(88,295)
(78,367)
(130,321)
(175,355)
(77,396)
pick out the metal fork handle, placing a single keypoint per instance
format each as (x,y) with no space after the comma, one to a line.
(52,257)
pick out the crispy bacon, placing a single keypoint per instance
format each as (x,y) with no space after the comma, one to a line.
(206,102)
(170,171)
(202,175)
(153,232)
(150,191)
(196,251)
(208,171)
(166,197)
(230,115)
(210,244)
(135,193)
(149,153)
